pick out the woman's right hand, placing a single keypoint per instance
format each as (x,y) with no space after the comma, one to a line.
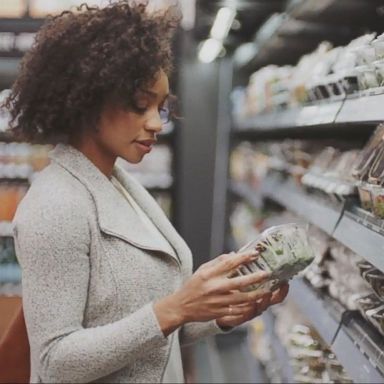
(209,293)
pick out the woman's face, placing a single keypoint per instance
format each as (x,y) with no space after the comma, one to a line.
(131,134)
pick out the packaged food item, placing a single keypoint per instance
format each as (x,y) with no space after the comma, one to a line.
(367,77)
(377,201)
(284,251)
(379,66)
(365,267)
(364,190)
(368,154)
(376,317)
(375,279)
(375,179)
(378,45)
(368,302)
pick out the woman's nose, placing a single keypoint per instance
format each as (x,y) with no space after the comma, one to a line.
(154,123)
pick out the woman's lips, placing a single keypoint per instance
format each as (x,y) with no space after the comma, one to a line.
(145,145)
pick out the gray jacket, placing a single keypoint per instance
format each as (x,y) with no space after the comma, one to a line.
(90,275)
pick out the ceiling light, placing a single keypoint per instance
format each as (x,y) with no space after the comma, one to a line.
(209,50)
(222,23)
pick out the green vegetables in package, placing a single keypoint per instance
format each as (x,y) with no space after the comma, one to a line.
(284,251)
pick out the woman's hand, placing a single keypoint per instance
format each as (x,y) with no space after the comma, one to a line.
(254,309)
(209,294)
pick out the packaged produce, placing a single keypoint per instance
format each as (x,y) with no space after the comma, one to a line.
(284,251)
(375,279)
(379,67)
(364,190)
(376,317)
(367,77)
(377,200)
(368,302)
(378,45)
(364,267)
(368,154)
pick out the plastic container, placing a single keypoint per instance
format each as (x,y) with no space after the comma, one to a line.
(377,199)
(284,251)
(379,66)
(376,317)
(365,267)
(367,77)
(367,303)
(364,190)
(375,279)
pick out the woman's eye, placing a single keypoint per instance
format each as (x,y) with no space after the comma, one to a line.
(140,107)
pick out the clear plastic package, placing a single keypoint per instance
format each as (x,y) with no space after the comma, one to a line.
(375,279)
(284,251)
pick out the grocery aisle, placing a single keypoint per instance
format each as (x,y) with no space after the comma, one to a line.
(307,147)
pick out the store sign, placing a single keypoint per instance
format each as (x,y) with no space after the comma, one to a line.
(13,44)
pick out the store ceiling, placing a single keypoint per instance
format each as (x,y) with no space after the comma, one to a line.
(301,26)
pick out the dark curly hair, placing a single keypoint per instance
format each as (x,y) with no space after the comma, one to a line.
(83,59)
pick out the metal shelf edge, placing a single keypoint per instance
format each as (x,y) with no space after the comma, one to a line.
(343,111)
(366,242)
(362,240)
(286,194)
(358,366)
(315,310)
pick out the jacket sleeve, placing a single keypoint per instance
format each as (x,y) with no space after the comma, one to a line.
(52,247)
(192,332)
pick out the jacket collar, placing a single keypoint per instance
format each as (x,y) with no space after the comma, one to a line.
(114,216)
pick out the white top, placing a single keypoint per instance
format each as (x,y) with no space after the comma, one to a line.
(174,370)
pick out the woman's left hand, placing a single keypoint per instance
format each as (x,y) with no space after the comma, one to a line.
(255,309)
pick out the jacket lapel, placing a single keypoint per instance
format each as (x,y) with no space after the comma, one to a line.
(152,209)
(114,214)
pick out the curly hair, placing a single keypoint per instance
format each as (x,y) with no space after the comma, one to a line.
(83,59)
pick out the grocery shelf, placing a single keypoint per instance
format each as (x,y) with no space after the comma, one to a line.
(288,195)
(365,107)
(20,25)
(362,108)
(365,350)
(343,331)
(293,198)
(362,236)
(293,118)
(321,313)
(278,348)
(359,232)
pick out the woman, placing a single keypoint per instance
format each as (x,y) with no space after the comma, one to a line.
(108,294)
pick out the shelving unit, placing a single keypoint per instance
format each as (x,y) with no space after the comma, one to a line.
(357,345)
(354,228)
(286,36)
(363,108)
(278,348)
(343,331)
